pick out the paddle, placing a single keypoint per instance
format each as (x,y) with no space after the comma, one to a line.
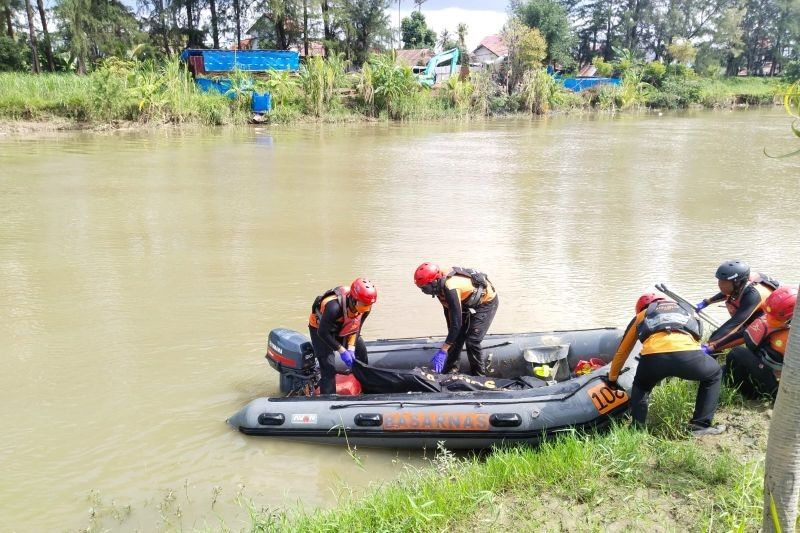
(681,300)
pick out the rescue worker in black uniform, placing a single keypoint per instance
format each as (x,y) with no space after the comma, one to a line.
(670,337)
(755,368)
(470,303)
(744,297)
(334,325)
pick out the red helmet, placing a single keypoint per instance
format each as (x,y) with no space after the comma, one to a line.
(426,273)
(363,291)
(646,299)
(779,306)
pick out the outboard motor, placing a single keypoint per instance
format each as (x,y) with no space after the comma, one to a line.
(291,354)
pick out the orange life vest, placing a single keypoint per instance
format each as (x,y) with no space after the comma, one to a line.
(351,322)
(764,290)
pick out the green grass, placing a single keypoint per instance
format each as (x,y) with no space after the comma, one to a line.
(623,474)
(623,477)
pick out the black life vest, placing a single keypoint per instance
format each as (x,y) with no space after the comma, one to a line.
(479,280)
(350,324)
(663,315)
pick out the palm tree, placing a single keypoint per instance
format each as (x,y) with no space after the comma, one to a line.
(461,31)
(445,38)
(419,3)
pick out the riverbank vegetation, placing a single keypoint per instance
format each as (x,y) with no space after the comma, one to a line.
(623,478)
(150,92)
(109,65)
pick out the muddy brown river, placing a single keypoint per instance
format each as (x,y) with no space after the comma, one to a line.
(140,274)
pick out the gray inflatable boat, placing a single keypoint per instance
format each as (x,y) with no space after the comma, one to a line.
(421,409)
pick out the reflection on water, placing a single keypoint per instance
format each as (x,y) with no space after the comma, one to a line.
(140,274)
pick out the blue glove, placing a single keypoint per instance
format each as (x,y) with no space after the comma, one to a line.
(706,349)
(348,357)
(437,363)
(702,305)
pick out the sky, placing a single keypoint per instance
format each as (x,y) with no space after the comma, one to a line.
(482,18)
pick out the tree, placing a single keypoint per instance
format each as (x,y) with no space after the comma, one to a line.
(419,3)
(461,31)
(94,29)
(551,20)
(7,16)
(682,52)
(212,5)
(527,48)
(782,468)
(364,24)
(12,54)
(446,40)
(32,39)
(415,32)
(51,64)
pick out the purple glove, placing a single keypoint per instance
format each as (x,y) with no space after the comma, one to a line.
(348,357)
(437,363)
(706,349)
(702,305)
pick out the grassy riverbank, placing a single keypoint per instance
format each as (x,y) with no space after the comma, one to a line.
(626,479)
(124,92)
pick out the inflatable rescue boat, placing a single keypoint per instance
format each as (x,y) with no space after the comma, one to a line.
(535,387)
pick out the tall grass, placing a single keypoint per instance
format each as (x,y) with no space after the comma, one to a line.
(538,90)
(320,80)
(118,90)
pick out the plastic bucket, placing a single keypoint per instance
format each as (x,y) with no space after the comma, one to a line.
(261,103)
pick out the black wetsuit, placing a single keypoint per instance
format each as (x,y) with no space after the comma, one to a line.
(326,344)
(464,327)
(749,310)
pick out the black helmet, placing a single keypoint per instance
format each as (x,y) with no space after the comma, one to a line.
(733,270)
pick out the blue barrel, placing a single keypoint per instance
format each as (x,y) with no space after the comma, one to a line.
(261,103)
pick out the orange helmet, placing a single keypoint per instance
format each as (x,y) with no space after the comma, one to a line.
(779,306)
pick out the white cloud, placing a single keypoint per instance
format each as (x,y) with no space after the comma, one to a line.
(480,22)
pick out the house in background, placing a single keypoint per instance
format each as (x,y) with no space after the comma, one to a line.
(413,56)
(492,49)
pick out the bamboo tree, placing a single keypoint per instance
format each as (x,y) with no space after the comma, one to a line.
(48,48)
(35,67)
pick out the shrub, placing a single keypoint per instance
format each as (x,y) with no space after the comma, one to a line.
(675,93)
(604,69)
(13,54)
(791,73)
(654,73)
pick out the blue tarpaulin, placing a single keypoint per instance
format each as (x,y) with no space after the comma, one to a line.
(580,84)
(247,60)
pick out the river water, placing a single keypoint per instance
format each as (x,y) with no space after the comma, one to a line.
(141,272)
